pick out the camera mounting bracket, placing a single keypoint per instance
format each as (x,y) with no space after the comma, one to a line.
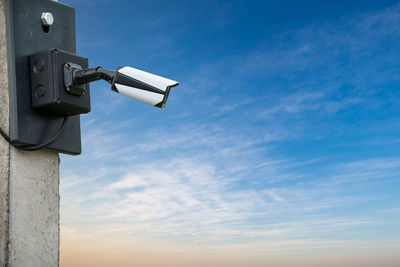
(27,35)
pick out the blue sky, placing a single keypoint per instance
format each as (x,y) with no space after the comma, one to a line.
(280,145)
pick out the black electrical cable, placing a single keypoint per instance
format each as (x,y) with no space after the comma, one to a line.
(41,146)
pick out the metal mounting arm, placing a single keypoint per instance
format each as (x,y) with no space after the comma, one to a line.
(93,74)
(75,77)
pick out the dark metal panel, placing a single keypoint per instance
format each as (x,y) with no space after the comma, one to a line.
(25,37)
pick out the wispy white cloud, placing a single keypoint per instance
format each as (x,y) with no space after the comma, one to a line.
(198,198)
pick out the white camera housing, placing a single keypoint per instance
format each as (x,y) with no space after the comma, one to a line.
(143,86)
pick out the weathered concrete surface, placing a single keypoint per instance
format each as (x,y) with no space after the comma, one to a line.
(29,192)
(4,147)
(34,208)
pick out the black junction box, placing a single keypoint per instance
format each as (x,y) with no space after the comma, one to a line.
(49,93)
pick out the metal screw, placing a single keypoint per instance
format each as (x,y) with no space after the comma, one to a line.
(47,19)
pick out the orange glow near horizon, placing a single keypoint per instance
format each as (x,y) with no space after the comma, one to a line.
(80,250)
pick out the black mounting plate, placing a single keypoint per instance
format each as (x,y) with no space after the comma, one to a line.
(26,36)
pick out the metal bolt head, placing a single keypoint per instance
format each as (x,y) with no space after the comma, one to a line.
(47,19)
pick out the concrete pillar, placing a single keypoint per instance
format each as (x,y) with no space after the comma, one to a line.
(29,191)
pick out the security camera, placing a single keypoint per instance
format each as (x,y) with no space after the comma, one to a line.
(143,86)
(137,84)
